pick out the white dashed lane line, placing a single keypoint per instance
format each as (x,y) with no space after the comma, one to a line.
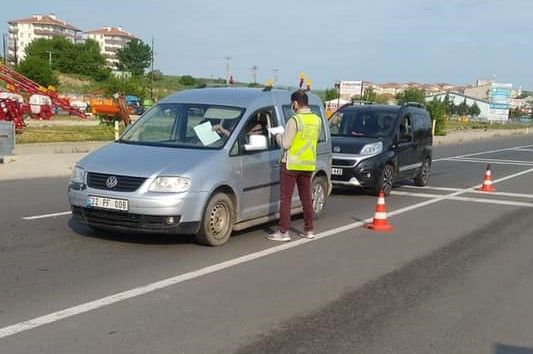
(44,216)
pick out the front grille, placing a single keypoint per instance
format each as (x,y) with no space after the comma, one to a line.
(341,162)
(125,183)
(124,220)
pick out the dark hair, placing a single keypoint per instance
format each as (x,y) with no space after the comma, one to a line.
(301,97)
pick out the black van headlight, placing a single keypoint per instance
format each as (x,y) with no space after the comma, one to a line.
(372,149)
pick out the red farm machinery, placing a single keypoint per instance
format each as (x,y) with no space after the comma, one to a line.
(41,100)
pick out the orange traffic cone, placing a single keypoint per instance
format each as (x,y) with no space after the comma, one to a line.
(380,222)
(487,182)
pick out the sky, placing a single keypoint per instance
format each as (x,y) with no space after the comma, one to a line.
(426,41)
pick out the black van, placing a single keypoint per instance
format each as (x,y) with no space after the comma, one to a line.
(377,145)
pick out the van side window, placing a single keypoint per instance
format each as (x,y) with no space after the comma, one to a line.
(257,124)
(406,127)
(288,113)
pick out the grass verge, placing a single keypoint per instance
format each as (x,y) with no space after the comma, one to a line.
(58,133)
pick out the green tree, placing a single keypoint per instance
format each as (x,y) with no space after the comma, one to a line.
(70,58)
(437,112)
(369,95)
(134,57)
(135,85)
(187,80)
(38,70)
(411,95)
(331,94)
(156,75)
(462,109)
(474,110)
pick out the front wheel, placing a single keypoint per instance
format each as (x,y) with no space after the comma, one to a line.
(385,181)
(217,223)
(319,192)
(422,178)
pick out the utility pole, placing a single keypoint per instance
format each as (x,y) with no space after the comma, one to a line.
(4,47)
(49,58)
(275,73)
(228,60)
(253,70)
(152,73)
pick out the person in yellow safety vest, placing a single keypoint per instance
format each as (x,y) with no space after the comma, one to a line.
(299,143)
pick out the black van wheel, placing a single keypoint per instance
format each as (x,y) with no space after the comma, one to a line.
(385,180)
(217,223)
(319,191)
(422,178)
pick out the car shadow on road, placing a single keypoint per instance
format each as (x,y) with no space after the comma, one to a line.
(129,237)
(509,349)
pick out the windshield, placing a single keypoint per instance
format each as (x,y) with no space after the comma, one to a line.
(184,125)
(363,123)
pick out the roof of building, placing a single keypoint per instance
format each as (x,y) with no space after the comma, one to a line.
(112,31)
(44,20)
(457,94)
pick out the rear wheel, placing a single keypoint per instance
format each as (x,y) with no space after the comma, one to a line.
(319,192)
(217,223)
(422,178)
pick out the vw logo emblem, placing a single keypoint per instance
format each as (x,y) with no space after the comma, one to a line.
(111,182)
(337,149)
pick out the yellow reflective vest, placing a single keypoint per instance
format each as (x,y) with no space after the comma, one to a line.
(301,156)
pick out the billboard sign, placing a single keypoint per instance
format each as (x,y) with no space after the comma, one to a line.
(500,100)
(348,89)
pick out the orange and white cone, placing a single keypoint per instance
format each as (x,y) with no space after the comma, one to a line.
(380,222)
(487,182)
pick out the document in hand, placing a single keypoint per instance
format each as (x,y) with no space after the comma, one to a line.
(206,134)
(277,130)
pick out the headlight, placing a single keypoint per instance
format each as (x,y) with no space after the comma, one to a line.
(78,175)
(372,149)
(170,184)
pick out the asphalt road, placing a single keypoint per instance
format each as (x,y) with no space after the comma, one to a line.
(454,276)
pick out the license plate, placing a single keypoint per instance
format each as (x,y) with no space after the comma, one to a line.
(107,203)
(336,171)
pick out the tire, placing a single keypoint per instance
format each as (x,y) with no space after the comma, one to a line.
(319,192)
(385,180)
(422,177)
(217,222)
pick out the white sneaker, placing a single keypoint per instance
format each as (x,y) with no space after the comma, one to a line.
(279,236)
(308,234)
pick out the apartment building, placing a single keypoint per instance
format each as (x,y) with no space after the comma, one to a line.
(23,31)
(111,39)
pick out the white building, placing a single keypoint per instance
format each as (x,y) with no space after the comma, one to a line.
(458,98)
(110,39)
(24,31)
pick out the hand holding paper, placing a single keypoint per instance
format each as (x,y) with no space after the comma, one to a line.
(277,130)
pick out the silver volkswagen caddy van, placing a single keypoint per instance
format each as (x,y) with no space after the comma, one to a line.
(199,162)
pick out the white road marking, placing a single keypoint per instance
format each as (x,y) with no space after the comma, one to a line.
(112,299)
(503,194)
(482,152)
(466,199)
(492,162)
(53,215)
(528,150)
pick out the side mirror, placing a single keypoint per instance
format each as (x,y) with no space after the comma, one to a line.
(257,143)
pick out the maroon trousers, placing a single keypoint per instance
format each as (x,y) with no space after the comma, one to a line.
(287,181)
